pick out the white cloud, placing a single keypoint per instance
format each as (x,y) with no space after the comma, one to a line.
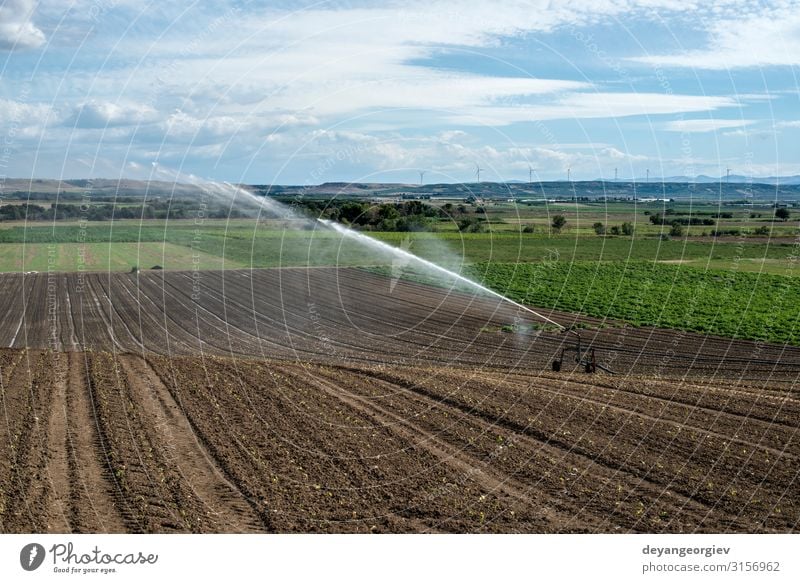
(758,38)
(102,114)
(704,125)
(17,30)
(22,113)
(750,134)
(337,63)
(24,121)
(788,124)
(618,155)
(456,160)
(588,105)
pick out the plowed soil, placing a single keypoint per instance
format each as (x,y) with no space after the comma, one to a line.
(334,400)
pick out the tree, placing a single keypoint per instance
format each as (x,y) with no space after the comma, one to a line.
(627,229)
(558,223)
(388,212)
(350,212)
(599,228)
(615,230)
(676,230)
(470,225)
(528,229)
(782,214)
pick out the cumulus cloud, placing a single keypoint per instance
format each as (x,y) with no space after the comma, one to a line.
(612,153)
(456,160)
(17,30)
(96,114)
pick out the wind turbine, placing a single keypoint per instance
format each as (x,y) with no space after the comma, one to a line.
(478,172)
(530,175)
(615,174)
(648,175)
(569,174)
(421,175)
(727,176)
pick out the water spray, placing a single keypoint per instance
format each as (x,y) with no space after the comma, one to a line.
(584,357)
(430,265)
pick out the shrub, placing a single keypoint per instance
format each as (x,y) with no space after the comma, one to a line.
(599,228)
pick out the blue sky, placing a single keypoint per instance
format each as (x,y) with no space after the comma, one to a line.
(303,93)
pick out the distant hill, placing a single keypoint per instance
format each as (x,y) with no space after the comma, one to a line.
(18,188)
(734,179)
(551,190)
(787,188)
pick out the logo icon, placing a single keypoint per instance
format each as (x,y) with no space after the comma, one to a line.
(31,556)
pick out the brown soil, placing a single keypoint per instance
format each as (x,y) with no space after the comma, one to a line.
(324,401)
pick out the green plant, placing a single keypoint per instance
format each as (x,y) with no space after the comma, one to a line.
(783,214)
(660,295)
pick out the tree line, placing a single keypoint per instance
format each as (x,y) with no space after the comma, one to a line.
(175,209)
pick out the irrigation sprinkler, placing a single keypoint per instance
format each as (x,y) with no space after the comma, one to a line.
(584,357)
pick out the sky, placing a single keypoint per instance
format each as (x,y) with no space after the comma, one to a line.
(310,92)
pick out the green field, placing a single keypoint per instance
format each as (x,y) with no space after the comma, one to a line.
(732,303)
(18,257)
(727,303)
(272,245)
(739,286)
